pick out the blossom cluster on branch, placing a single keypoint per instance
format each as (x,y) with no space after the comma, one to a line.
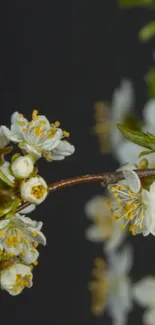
(20,183)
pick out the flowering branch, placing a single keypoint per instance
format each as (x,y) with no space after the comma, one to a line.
(105,179)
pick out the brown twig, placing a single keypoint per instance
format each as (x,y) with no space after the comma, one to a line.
(105,179)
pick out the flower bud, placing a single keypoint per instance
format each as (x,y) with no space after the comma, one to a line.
(34,190)
(22,167)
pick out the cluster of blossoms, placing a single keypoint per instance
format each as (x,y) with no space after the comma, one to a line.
(128,206)
(20,184)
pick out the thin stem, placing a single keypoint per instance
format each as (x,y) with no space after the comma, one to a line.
(105,179)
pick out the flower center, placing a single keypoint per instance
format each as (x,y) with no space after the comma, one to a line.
(38,191)
(129,206)
(99,287)
(21,282)
(13,241)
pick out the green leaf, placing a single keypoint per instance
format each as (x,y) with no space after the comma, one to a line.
(5,179)
(135,3)
(150,77)
(132,123)
(135,136)
(147,32)
(144,153)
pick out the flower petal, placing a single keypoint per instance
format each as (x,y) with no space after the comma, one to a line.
(149,112)
(149,317)
(132,180)
(144,292)
(98,206)
(63,149)
(96,234)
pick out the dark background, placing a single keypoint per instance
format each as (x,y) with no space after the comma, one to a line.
(59,57)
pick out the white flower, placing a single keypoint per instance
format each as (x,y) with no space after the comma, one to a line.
(98,209)
(34,190)
(20,235)
(111,288)
(38,137)
(144,295)
(15,278)
(134,204)
(22,167)
(120,293)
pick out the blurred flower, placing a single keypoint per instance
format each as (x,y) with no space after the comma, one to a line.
(107,119)
(105,229)
(34,190)
(144,295)
(38,137)
(15,278)
(111,287)
(22,167)
(129,151)
(134,204)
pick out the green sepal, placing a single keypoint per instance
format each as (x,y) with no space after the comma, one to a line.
(3,152)
(15,156)
(147,32)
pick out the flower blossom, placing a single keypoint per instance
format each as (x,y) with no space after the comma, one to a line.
(111,287)
(34,190)
(38,137)
(20,235)
(144,295)
(133,204)
(15,278)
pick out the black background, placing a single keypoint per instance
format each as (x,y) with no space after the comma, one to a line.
(59,57)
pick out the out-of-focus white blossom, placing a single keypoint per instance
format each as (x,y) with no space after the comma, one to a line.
(129,151)
(108,117)
(144,295)
(38,137)
(15,278)
(34,190)
(22,167)
(104,229)
(111,287)
(122,106)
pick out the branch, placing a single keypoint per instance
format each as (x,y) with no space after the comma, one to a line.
(105,179)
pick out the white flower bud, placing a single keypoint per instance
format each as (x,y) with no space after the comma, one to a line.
(22,167)
(34,190)
(15,278)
